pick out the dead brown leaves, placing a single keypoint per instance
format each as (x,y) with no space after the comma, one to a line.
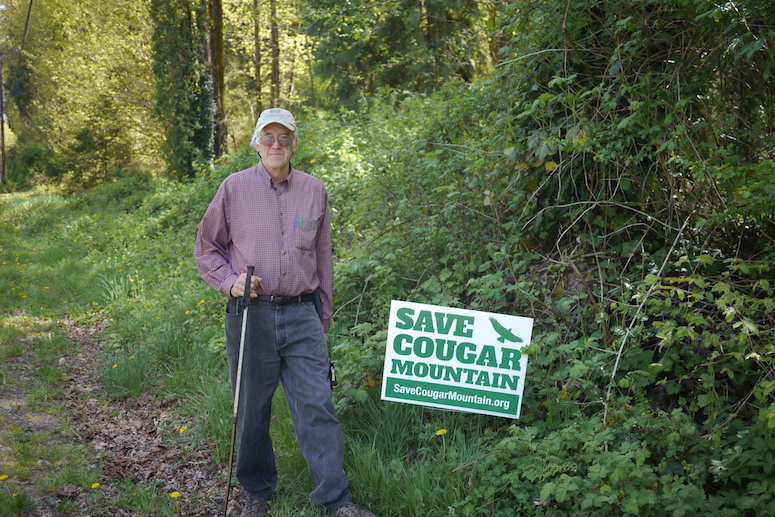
(131,441)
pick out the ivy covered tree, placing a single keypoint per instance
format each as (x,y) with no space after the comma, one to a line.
(217,67)
(184,93)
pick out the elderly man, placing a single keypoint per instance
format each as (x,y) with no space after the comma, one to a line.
(276,218)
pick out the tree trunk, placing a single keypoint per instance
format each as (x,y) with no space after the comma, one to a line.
(275,57)
(289,75)
(2,123)
(257,57)
(311,69)
(217,70)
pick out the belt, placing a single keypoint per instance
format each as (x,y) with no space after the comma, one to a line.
(286,300)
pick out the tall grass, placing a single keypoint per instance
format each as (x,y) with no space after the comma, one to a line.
(407,460)
(125,374)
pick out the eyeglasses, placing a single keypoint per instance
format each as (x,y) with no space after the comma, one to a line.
(268,140)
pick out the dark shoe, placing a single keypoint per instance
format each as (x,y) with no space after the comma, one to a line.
(351,510)
(256,508)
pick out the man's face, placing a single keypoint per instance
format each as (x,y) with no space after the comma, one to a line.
(274,154)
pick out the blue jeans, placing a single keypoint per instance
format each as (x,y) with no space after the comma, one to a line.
(285,343)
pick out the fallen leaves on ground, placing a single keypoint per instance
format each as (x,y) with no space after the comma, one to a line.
(136,440)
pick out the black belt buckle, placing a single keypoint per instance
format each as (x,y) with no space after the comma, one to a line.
(285,300)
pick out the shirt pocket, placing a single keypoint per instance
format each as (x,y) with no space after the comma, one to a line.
(305,235)
(305,239)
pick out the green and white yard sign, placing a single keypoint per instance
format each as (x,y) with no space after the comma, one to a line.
(456,359)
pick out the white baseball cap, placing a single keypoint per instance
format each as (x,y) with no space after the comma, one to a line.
(278,115)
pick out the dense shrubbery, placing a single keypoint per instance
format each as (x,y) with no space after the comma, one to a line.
(587,190)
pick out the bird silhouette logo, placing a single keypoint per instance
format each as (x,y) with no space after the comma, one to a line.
(504,334)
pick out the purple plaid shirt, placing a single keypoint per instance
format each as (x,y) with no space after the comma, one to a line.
(283,230)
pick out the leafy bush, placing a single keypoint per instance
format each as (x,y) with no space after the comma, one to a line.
(577,190)
(26,162)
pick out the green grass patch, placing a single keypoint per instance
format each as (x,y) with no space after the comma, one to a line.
(13,502)
(145,499)
(125,375)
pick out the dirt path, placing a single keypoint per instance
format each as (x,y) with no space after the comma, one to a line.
(135,440)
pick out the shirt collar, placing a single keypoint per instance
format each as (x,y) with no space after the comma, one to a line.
(264,174)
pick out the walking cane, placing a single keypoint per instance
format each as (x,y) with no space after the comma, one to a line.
(243,302)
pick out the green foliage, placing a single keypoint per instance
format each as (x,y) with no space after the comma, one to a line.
(145,499)
(646,434)
(184,97)
(78,93)
(14,504)
(125,375)
(31,161)
(622,127)
(402,45)
(413,461)
(249,44)
(578,188)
